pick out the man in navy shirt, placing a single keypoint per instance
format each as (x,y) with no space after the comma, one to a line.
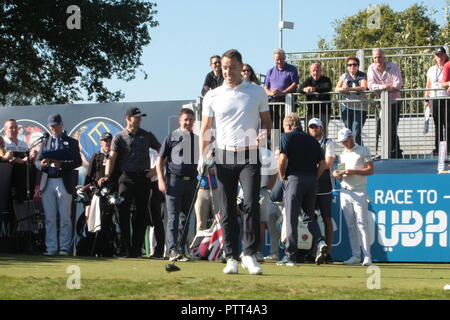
(178,154)
(300,163)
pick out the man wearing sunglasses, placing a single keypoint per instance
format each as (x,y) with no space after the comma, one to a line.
(213,79)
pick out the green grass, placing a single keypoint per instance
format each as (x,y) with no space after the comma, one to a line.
(38,277)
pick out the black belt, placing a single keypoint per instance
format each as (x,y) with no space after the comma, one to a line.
(54,176)
(135,173)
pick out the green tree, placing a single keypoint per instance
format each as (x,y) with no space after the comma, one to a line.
(44,61)
(412,27)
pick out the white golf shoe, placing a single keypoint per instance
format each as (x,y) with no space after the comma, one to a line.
(367,262)
(352,261)
(250,264)
(232,267)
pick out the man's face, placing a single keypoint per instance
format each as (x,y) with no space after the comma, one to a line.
(349,143)
(215,64)
(280,60)
(231,71)
(56,130)
(378,58)
(105,145)
(186,122)
(287,127)
(134,121)
(315,71)
(440,58)
(315,131)
(11,129)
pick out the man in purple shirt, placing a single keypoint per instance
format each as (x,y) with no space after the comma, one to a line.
(280,80)
(383,75)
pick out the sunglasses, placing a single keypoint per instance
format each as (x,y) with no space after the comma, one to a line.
(216,62)
(313,126)
(246,70)
(352,65)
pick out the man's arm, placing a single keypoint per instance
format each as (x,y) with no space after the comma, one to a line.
(291,88)
(282,162)
(205,136)
(160,164)
(266,126)
(110,163)
(366,171)
(321,168)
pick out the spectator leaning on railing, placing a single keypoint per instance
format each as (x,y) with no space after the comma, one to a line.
(317,88)
(384,75)
(280,80)
(441,115)
(354,114)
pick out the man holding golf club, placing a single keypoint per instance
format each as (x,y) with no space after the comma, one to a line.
(237,107)
(178,155)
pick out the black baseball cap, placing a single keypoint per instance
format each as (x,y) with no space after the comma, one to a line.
(106,136)
(135,112)
(440,50)
(54,119)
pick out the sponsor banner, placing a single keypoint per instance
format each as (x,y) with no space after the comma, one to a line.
(408,219)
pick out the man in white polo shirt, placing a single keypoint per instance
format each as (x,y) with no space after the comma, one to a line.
(358,164)
(237,107)
(19,159)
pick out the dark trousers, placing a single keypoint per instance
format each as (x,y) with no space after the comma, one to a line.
(155,203)
(180,194)
(441,118)
(395,152)
(246,169)
(137,188)
(299,193)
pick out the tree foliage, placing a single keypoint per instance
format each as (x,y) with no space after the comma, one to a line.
(412,27)
(45,62)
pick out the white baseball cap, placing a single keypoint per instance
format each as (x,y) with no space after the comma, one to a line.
(343,134)
(315,121)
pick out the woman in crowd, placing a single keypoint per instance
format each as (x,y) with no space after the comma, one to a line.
(249,75)
(354,114)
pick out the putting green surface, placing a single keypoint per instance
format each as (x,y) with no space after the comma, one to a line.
(39,277)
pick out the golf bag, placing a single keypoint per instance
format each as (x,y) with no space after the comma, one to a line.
(207,244)
(98,235)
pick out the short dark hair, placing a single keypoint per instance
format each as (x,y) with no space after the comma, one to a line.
(233,54)
(186,111)
(352,58)
(215,56)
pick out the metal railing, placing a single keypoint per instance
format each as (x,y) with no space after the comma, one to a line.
(377,128)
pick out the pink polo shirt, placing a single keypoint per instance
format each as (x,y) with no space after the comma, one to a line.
(391,75)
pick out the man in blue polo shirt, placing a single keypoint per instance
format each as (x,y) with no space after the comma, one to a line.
(179,155)
(280,80)
(300,164)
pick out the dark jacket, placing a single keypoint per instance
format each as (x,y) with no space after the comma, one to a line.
(67,167)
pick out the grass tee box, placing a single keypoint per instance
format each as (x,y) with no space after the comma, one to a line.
(38,277)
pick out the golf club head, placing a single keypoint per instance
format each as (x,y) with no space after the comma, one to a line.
(172,268)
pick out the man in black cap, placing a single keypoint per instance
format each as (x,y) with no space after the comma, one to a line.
(58,158)
(129,150)
(97,163)
(95,172)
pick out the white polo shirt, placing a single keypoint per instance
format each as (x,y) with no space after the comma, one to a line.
(21,146)
(236,112)
(355,159)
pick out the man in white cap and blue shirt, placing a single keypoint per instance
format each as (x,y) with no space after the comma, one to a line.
(355,165)
(58,185)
